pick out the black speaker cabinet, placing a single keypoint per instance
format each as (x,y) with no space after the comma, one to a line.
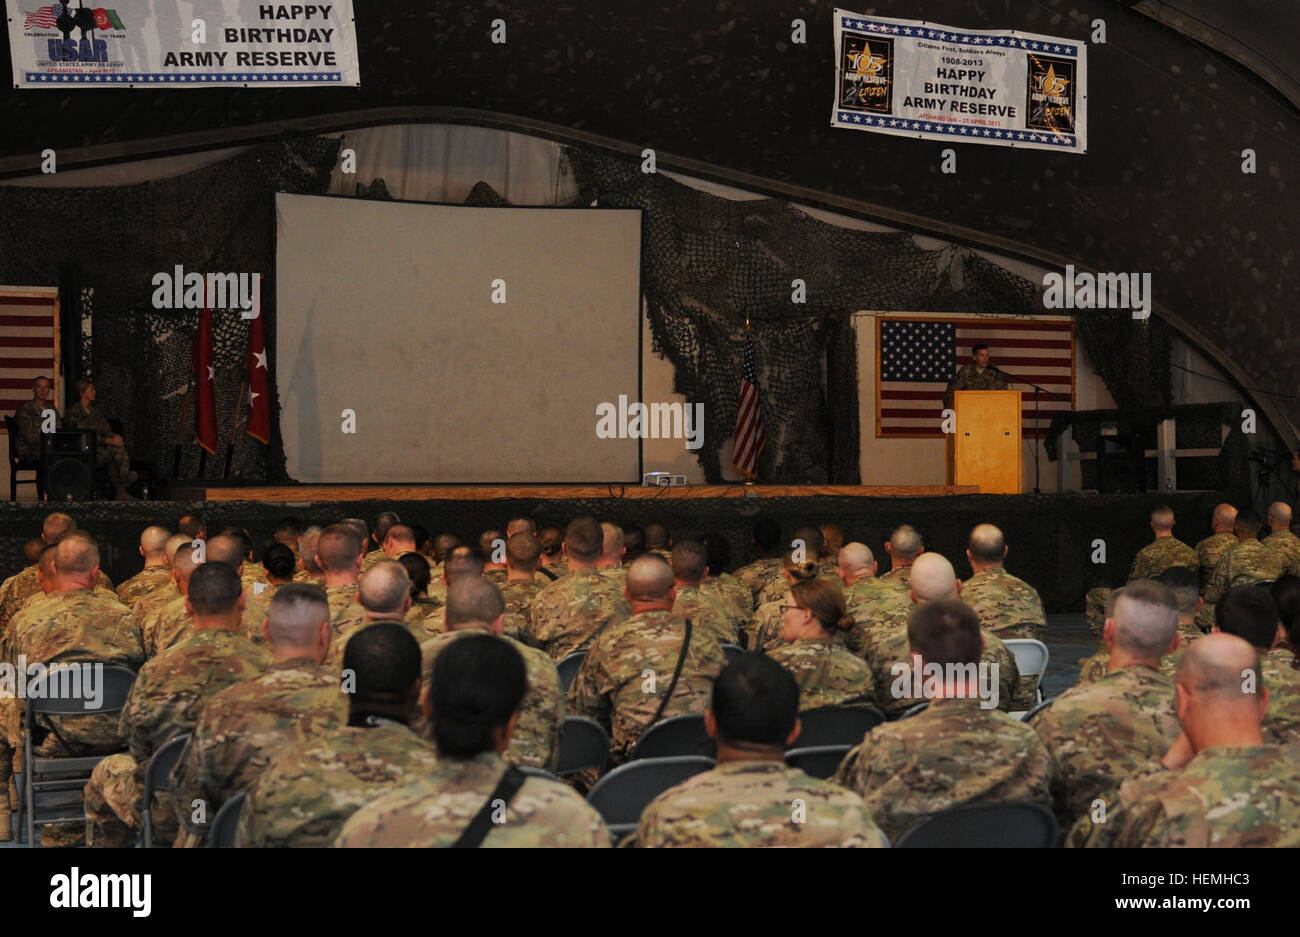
(68,462)
(1120,465)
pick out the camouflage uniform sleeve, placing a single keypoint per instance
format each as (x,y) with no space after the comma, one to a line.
(187,779)
(586,695)
(1098,828)
(1139,570)
(1217,584)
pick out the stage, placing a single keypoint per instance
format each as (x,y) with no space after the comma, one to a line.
(310,494)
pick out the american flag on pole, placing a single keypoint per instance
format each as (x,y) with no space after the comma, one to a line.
(918,356)
(29,342)
(42,19)
(750,438)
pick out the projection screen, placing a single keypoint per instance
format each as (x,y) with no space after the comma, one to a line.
(422,343)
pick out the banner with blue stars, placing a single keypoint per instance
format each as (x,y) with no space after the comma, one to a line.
(198,44)
(917,79)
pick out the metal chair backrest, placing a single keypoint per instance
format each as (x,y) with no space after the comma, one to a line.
(678,735)
(224,825)
(158,777)
(820,761)
(569,667)
(620,796)
(837,725)
(733,652)
(66,689)
(584,743)
(1017,825)
(1031,655)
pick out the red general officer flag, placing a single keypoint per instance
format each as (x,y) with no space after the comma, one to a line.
(259,401)
(205,383)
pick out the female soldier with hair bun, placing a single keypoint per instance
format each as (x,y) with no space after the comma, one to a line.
(827,672)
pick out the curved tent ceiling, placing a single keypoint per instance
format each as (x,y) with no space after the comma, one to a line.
(1161,189)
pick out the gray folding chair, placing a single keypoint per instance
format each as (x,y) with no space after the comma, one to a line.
(158,777)
(53,786)
(915,709)
(818,761)
(1014,825)
(221,835)
(535,772)
(569,667)
(733,652)
(680,735)
(583,744)
(836,725)
(620,796)
(1031,658)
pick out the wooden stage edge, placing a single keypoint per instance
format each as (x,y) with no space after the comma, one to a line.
(302,494)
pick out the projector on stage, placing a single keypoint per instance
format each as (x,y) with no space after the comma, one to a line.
(662,480)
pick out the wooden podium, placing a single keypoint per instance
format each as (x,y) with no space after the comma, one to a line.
(985,449)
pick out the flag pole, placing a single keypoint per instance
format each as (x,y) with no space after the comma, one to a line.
(180,437)
(234,427)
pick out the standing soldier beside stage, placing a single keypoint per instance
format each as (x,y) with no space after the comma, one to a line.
(1007,606)
(110,448)
(30,416)
(976,374)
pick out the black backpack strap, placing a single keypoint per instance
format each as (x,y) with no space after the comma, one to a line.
(478,828)
(681,659)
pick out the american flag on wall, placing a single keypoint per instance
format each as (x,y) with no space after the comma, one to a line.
(750,437)
(918,356)
(29,339)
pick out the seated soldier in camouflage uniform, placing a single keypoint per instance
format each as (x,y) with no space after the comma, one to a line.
(373,541)
(1245,562)
(827,674)
(110,448)
(768,546)
(1280,541)
(279,562)
(613,547)
(309,790)
(658,540)
(1211,548)
(523,582)
(805,545)
(955,752)
(234,550)
(338,554)
(251,572)
(765,630)
(384,594)
(554,561)
(566,615)
(164,625)
(475,606)
(1162,553)
(417,569)
(26,583)
(491,546)
(75,622)
(1007,606)
(30,417)
(1220,784)
(751,798)
(1101,732)
(461,563)
(1249,613)
(932,578)
(308,570)
(633,543)
(903,546)
(163,592)
(1183,583)
(690,565)
(165,701)
(478,684)
(157,569)
(872,603)
(612,685)
(242,726)
(718,582)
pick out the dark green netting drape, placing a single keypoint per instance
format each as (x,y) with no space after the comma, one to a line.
(113,240)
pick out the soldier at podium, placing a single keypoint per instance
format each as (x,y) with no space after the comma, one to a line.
(977,374)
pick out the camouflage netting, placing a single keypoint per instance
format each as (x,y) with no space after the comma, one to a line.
(709,262)
(220,218)
(1051,537)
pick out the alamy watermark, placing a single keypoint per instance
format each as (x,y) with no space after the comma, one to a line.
(53,681)
(1098,291)
(656,420)
(181,290)
(960,681)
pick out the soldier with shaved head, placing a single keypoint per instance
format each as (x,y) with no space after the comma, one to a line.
(870,601)
(568,613)
(373,542)
(168,624)
(462,563)
(658,540)
(308,569)
(1101,732)
(523,583)
(1284,544)
(243,726)
(491,545)
(338,554)
(627,680)
(384,594)
(1164,552)
(1243,563)
(1220,784)
(1211,548)
(233,549)
(153,547)
(613,549)
(1249,613)
(22,586)
(476,606)
(931,579)
(75,622)
(1007,606)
